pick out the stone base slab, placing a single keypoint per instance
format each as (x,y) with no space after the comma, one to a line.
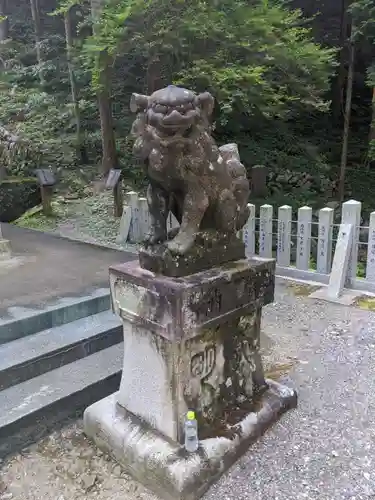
(211,249)
(347,298)
(162,465)
(5,252)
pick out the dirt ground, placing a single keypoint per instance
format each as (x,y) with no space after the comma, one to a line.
(65,466)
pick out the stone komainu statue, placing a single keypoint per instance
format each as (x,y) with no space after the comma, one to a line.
(204,186)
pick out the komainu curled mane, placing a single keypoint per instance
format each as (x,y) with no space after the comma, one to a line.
(203,185)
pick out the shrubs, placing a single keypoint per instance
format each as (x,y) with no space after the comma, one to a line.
(17,195)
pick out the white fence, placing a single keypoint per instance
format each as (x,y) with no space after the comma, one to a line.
(303,248)
(135,220)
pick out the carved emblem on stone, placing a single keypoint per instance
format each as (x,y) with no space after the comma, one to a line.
(203,362)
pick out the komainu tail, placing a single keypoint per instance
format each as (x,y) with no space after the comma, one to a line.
(241,190)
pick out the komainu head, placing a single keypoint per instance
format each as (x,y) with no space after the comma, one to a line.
(174,110)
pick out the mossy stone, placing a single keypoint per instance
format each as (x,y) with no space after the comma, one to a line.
(17,195)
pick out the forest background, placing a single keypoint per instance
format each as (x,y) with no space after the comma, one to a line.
(294,82)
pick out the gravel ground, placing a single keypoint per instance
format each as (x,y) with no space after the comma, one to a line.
(65,466)
(324,449)
(321,451)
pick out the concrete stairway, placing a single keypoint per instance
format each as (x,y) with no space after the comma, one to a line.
(54,362)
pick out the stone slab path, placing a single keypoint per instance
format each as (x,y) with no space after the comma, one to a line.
(324,450)
(45,267)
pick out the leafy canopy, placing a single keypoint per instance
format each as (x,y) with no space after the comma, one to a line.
(255,56)
(252,55)
(363,15)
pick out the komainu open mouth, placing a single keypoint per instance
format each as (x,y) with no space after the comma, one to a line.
(169,131)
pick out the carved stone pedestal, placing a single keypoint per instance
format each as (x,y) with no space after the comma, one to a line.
(189,343)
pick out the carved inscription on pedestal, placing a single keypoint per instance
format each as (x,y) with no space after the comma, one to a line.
(223,299)
(208,304)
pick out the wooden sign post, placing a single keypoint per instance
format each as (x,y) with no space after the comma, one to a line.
(259,181)
(114,182)
(46,180)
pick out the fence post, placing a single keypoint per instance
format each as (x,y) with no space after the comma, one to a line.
(172,222)
(351,214)
(248,232)
(340,263)
(265,231)
(304,238)
(324,250)
(134,231)
(259,181)
(370,265)
(284,226)
(125,221)
(47,181)
(144,218)
(114,183)
(5,252)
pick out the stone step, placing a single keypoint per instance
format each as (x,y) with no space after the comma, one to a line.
(42,352)
(19,322)
(32,409)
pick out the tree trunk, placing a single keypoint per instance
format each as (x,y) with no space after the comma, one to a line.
(73,86)
(348,108)
(109,153)
(338,95)
(153,76)
(35,12)
(372,126)
(4,22)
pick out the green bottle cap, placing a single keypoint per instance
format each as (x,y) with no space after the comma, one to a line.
(190,415)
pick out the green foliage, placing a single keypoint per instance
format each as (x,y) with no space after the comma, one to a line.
(109,28)
(252,56)
(257,62)
(363,13)
(65,6)
(261,66)
(43,117)
(256,57)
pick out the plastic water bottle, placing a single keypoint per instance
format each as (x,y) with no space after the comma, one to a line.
(191,432)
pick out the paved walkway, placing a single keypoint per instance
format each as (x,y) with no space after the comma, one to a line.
(46,267)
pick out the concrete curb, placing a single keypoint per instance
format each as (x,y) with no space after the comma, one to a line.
(35,355)
(34,408)
(130,251)
(28,321)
